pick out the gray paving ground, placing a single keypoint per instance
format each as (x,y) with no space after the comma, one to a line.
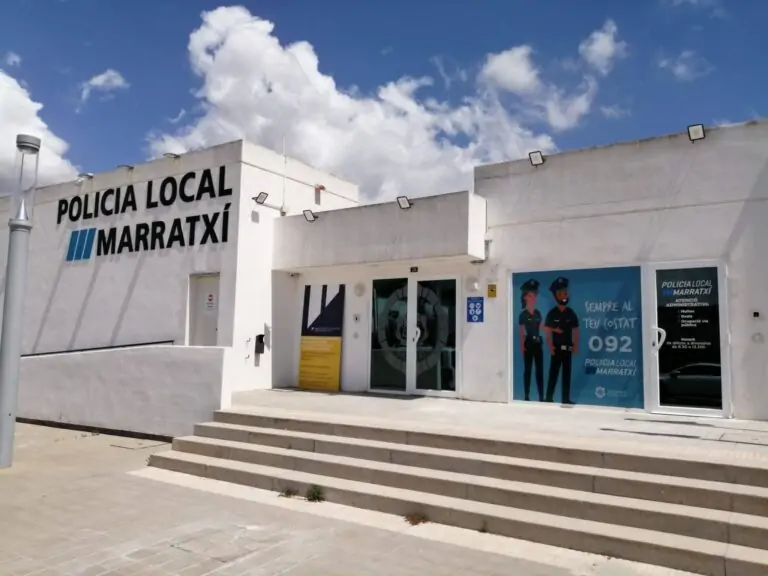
(69,506)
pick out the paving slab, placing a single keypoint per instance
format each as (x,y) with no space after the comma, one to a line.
(85,504)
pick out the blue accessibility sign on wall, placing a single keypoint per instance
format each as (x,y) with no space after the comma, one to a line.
(475,308)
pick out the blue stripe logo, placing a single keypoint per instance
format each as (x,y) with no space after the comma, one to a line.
(81,244)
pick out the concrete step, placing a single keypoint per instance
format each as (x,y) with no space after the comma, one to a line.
(679,552)
(751,473)
(669,489)
(716,525)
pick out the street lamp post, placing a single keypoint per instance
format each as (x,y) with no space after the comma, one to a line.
(20,225)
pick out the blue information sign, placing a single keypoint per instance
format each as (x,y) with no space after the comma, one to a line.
(475,309)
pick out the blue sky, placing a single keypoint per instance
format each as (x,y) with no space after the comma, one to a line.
(654,67)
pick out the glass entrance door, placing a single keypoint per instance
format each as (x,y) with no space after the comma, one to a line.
(436,335)
(413,335)
(689,350)
(389,335)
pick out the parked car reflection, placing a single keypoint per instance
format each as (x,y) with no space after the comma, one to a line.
(697,385)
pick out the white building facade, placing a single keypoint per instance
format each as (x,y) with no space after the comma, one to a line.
(628,277)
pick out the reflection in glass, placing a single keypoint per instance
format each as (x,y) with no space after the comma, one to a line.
(389,334)
(436,323)
(689,360)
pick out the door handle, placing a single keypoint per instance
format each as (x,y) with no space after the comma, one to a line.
(417,334)
(661,337)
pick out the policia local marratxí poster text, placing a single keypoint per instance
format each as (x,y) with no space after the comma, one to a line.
(577,337)
(322,322)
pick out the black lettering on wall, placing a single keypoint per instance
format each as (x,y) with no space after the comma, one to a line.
(168,191)
(75,208)
(87,213)
(206,187)
(129,201)
(141,237)
(157,241)
(61,209)
(176,235)
(192,221)
(96,200)
(183,187)
(210,229)
(105,209)
(222,182)
(126,242)
(106,241)
(225,223)
(151,202)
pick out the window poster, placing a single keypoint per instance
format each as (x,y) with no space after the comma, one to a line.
(577,337)
(688,313)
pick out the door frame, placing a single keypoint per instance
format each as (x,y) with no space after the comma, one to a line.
(411,354)
(651,365)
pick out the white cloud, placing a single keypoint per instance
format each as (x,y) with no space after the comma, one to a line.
(614,112)
(12,59)
(179,117)
(602,48)
(106,83)
(458,75)
(396,139)
(512,70)
(19,113)
(687,66)
(716,6)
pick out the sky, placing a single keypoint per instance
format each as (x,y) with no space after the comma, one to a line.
(402,97)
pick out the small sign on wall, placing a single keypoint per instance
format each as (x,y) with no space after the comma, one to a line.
(491,290)
(475,309)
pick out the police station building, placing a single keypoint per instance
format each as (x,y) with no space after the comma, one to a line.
(630,277)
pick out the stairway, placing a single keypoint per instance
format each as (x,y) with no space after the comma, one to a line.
(699,515)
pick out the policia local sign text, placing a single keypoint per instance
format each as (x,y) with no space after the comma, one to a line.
(194,230)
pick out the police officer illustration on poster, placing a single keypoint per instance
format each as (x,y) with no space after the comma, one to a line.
(562,330)
(529,325)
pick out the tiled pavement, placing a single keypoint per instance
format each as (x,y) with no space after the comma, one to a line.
(69,507)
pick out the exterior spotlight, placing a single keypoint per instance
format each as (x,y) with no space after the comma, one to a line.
(85,175)
(261,198)
(28,145)
(536,158)
(126,166)
(309,216)
(404,202)
(696,132)
(170,155)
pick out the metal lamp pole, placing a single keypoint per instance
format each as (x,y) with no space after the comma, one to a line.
(20,226)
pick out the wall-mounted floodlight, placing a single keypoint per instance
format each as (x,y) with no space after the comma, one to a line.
(170,155)
(536,158)
(261,198)
(696,132)
(309,216)
(126,166)
(404,202)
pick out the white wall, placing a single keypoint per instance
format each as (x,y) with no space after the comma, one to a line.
(659,200)
(291,185)
(434,227)
(161,390)
(128,298)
